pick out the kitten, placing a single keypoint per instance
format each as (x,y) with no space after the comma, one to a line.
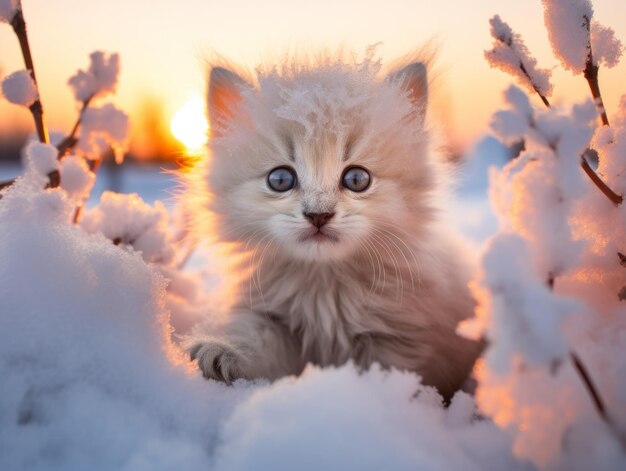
(324,176)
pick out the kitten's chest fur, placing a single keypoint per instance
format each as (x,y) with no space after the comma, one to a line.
(333,308)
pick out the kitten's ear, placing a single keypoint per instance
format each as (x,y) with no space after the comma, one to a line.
(413,79)
(225,89)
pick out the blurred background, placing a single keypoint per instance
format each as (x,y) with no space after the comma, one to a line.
(162,45)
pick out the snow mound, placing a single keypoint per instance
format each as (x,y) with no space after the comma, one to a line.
(89,375)
(338,419)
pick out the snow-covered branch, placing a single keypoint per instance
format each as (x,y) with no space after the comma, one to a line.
(510,54)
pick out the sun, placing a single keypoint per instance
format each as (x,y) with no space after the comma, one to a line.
(189,124)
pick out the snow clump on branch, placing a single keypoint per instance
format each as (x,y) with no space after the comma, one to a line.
(568,22)
(130,222)
(99,80)
(102,127)
(19,88)
(510,54)
(76,178)
(607,49)
(41,159)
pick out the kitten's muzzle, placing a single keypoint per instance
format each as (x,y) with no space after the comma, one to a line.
(318,219)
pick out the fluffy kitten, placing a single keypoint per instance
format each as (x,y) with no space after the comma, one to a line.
(322,175)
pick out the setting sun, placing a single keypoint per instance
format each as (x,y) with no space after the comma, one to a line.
(189,124)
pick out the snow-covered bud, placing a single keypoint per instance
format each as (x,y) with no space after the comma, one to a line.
(8,8)
(102,127)
(130,222)
(41,158)
(568,24)
(76,178)
(19,88)
(607,49)
(510,54)
(513,124)
(99,80)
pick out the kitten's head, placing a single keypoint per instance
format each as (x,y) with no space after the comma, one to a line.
(319,161)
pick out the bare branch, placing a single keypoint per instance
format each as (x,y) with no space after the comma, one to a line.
(36,109)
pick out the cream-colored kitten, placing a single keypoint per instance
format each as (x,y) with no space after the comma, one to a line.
(323,175)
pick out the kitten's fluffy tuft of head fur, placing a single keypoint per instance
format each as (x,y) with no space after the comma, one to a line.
(314,120)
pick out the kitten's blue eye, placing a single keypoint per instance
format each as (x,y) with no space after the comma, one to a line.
(282,179)
(356,179)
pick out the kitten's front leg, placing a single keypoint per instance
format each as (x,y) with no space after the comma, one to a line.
(251,345)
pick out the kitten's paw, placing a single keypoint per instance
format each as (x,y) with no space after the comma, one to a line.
(217,361)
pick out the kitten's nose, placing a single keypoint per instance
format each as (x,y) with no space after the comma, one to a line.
(318,219)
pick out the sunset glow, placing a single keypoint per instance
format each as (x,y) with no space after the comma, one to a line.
(189,124)
(167,59)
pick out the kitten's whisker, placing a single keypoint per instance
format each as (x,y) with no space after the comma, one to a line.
(383,245)
(395,264)
(365,244)
(381,276)
(387,233)
(260,269)
(414,255)
(254,278)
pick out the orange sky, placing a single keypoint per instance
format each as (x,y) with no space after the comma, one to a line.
(162,42)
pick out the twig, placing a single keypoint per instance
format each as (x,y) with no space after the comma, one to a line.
(591,74)
(36,109)
(522,67)
(535,88)
(63,147)
(596,398)
(595,91)
(70,141)
(585,377)
(610,194)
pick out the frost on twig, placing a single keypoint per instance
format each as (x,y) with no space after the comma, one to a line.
(510,54)
(580,43)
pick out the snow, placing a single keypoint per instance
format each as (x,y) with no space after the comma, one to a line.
(567,22)
(380,420)
(535,194)
(510,54)
(19,88)
(102,127)
(89,379)
(607,49)
(99,80)
(519,315)
(41,158)
(547,289)
(76,178)
(7,10)
(129,222)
